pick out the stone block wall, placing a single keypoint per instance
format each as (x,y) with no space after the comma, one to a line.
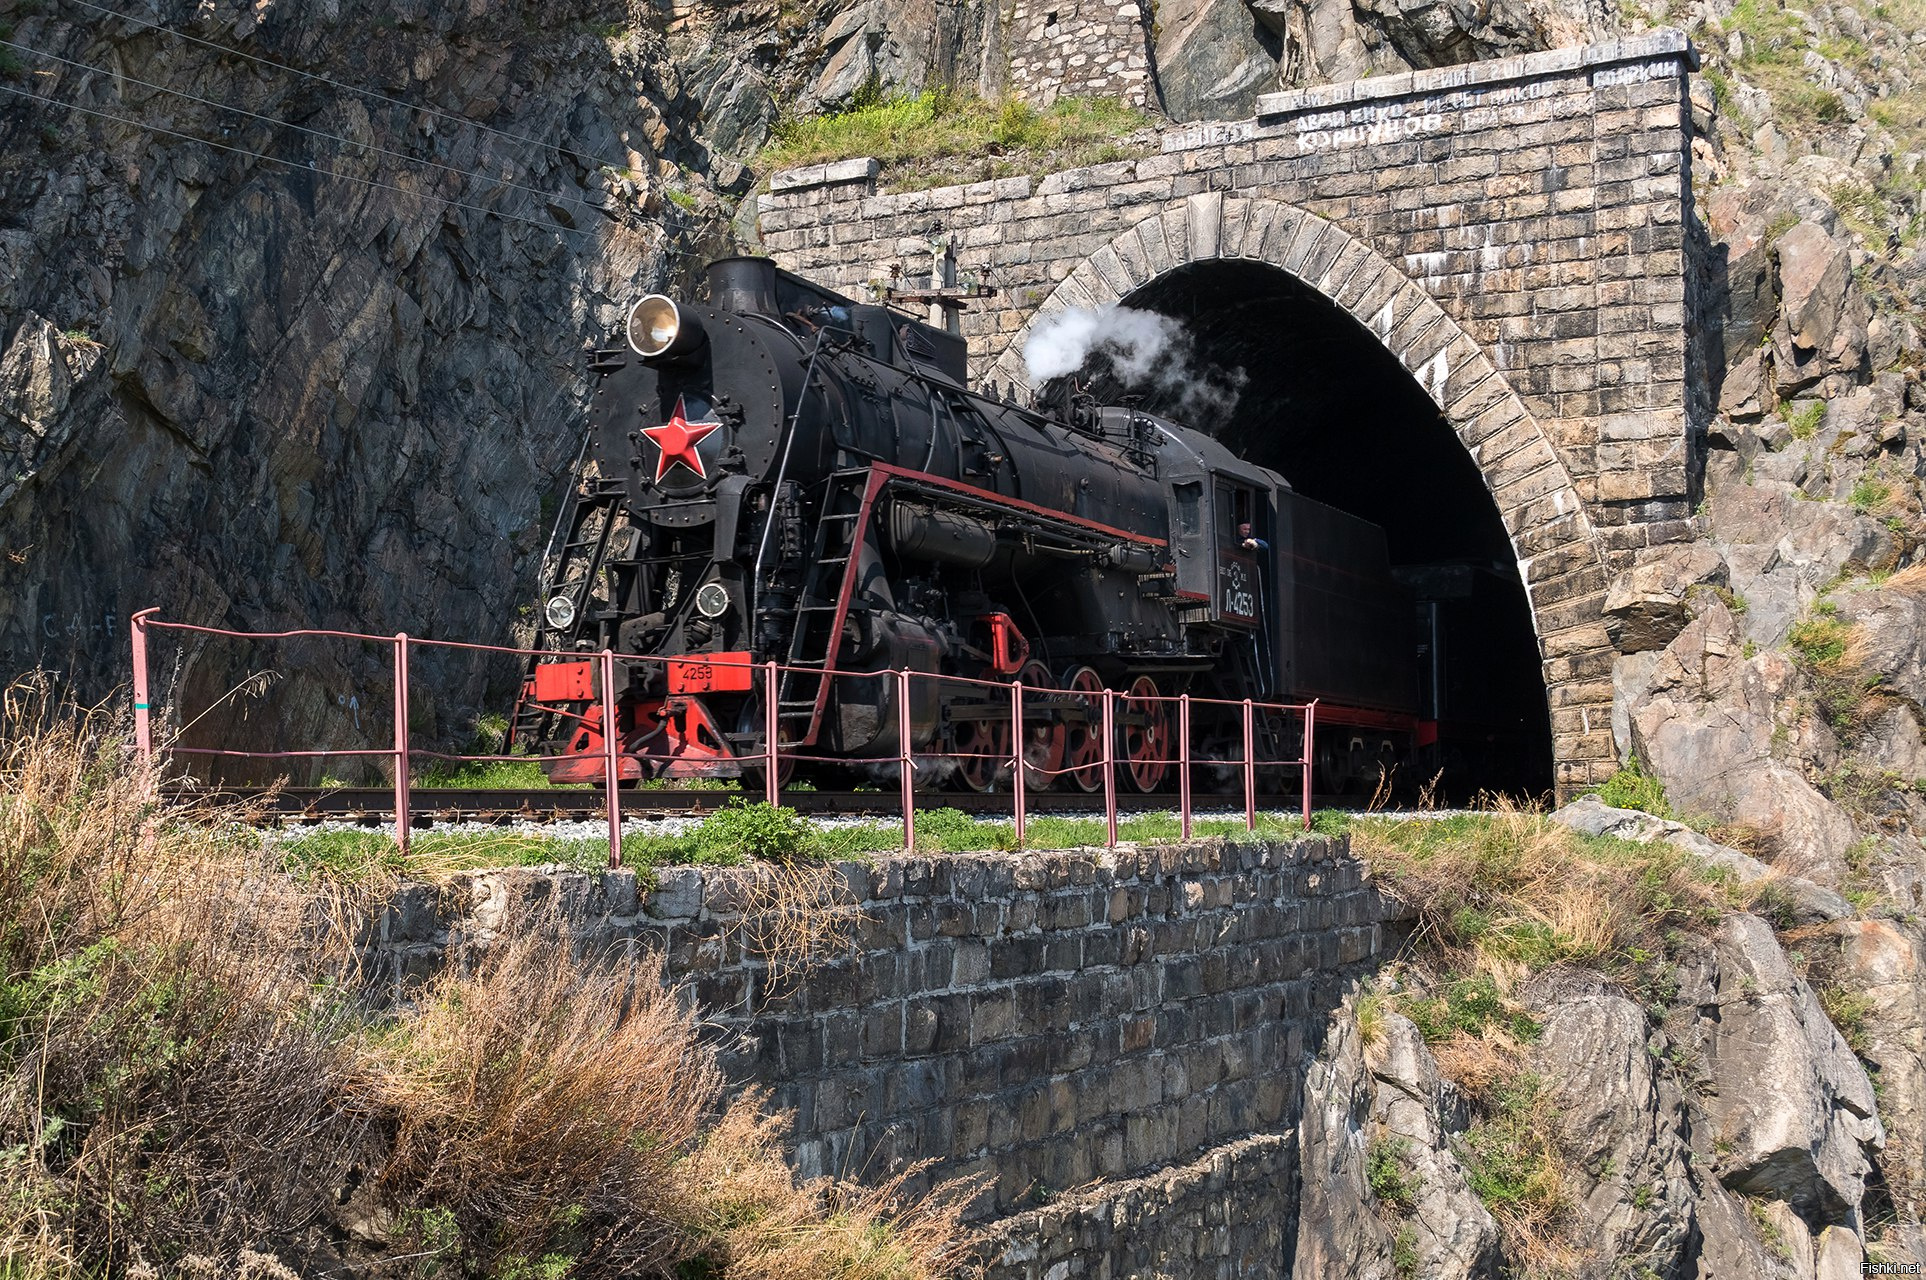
(1514,231)
(1080,48)
(1041,1021)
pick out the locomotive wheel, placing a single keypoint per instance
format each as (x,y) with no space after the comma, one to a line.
(982,752)
(1042,735)
(1083,741)
(1146,739)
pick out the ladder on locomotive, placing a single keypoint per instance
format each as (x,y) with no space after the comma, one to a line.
(814,640)
(576,565)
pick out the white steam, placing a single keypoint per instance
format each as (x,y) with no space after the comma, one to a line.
(1144,350)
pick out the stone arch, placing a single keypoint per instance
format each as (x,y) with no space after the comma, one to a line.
(1544,517)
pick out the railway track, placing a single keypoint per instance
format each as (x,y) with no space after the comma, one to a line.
(429,806)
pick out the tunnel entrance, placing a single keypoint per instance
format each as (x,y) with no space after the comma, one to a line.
(1323,403)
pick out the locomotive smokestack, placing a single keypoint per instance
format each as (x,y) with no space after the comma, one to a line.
(662,332)
(744,285)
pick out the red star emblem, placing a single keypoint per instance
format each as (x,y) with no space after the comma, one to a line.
(677,439)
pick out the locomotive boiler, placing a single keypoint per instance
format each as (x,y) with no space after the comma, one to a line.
(783,473)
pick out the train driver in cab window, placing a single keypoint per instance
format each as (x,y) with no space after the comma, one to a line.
(1249,541)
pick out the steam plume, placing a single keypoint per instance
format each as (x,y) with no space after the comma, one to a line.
(1144,350)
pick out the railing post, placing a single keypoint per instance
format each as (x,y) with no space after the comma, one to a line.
(1183,762)
(1310,724)
(1016,755)
(611,761)
(903,756)
(1109,769)
(143,707)
(1250,770)
(771,722)
(401,742)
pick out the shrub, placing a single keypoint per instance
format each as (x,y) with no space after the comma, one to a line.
(1632,788)
(1514,1165)
(1388,1173)
(171,1078)
(743,830)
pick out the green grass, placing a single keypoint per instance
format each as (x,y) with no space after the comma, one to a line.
(1848,1011)
(1804,419)
(1821,638)
(1632,788)
(1388,1172)
(520,775)
(1471,1007)
(1871,492)
(728,837)
(935,136)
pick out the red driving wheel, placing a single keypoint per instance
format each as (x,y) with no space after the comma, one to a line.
(1083,736)
(982,750)
(1146,736)
(1043,734)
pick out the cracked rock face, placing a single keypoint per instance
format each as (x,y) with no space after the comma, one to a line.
(1390,1092)
(257,395)
(1793,1113)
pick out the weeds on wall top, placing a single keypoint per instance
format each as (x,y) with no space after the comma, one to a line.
(939,136)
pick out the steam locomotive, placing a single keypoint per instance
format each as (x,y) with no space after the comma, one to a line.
(787,474)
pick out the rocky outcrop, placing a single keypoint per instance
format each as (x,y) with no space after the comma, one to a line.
(1645,607)
(1728,1132)
(1385,1102)
(1808,902)
(1797,1123)
(1714,722)
(330,377)
(1878,962)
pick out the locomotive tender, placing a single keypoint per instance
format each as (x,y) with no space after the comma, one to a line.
(785,473)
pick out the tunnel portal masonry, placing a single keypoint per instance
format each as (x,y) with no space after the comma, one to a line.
(1513,232)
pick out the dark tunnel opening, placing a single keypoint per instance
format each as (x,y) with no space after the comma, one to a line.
(1326,405)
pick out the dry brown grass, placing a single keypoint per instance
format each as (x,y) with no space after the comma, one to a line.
(1911,579)
(162,1050)
(190,1083)
(534,1062)
(766,1228)
(795,915)
(1508,892)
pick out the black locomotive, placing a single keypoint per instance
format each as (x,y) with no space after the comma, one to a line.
(784,473)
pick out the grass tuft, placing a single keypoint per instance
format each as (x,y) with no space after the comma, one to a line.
(1632,788)
(936,136)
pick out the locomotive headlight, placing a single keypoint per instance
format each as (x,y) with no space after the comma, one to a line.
(560,612)
(653,324)
(712,600)
(660,330)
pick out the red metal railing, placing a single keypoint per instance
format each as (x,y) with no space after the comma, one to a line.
(401,751)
